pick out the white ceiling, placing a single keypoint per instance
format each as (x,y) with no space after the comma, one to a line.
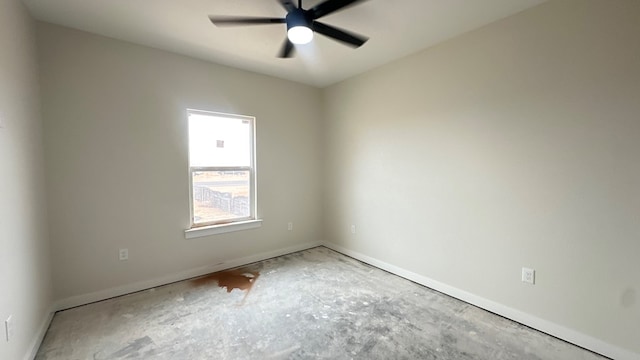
(396,28)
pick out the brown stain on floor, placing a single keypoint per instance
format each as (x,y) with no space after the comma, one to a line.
(241,279)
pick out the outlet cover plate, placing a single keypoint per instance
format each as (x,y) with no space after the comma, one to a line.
(8,328)
(123,254)
(528,276)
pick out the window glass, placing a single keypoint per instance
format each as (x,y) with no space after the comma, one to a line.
(222,170)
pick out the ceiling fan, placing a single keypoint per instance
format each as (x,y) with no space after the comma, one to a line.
(301,24)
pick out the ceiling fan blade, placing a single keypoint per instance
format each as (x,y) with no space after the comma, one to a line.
(344,36)
(235,20)
(330,6)
(287,5)
(287,49)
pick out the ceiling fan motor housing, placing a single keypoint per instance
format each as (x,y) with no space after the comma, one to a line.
(299,29)
(298,17)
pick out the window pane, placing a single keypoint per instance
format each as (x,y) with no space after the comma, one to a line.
(219,141)
(220,196)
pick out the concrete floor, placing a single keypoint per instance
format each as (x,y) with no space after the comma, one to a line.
(314,304)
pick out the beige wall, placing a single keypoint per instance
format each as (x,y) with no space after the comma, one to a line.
(116,152)
(513,145)
(25,278)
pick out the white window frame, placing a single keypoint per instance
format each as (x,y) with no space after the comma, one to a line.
(224,226)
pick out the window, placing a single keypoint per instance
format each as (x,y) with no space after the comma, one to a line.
(221,169)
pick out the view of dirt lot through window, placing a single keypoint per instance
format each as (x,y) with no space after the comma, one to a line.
(220,195)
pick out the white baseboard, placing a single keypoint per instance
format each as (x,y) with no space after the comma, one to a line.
(559,331)
(183,275)
(39,336)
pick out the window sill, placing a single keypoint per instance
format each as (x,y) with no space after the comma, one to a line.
(221,229)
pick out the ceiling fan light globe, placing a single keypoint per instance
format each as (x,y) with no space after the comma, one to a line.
(300,35)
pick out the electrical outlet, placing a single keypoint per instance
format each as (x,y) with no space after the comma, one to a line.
(123,254)
(353,229)
(8,328)
(290,226)
(528,276)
